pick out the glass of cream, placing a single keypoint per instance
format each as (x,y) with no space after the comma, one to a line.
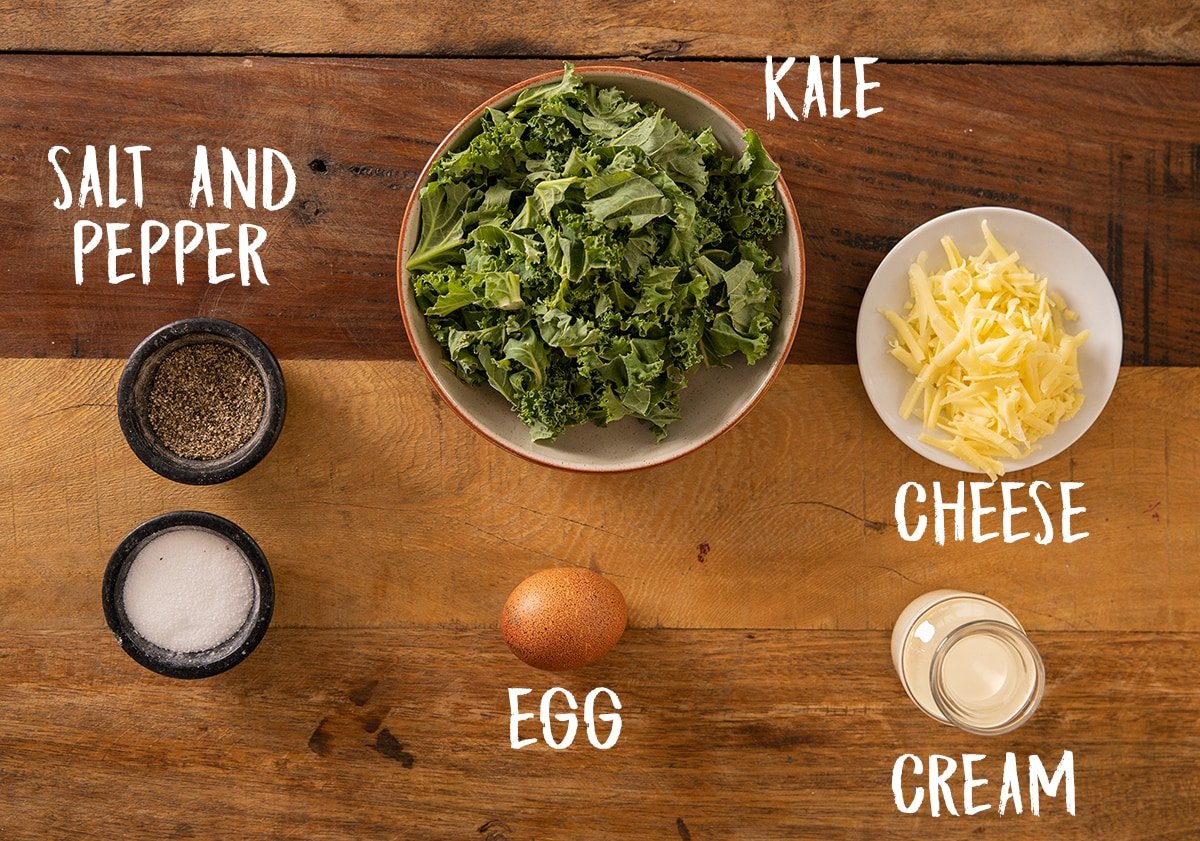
(965,660)
(188,594)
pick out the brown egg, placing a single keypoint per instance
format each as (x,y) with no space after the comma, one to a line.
(563,618)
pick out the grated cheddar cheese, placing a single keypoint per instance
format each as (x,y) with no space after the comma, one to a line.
(993,366)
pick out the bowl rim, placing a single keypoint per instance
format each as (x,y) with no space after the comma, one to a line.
(454,136)
(889,415)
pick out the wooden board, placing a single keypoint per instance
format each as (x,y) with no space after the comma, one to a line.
(327,734)
(785,522)
(1115,30)
(1112,153)
(762,572)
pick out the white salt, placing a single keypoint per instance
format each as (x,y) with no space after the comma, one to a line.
(188,590)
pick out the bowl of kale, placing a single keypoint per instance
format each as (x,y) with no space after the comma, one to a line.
(601,269)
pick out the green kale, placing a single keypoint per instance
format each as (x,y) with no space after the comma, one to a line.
(583,253)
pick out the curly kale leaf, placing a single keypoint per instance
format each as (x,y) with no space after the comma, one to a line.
(583,253)
(443,205)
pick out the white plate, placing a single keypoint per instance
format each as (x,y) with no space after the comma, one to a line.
(1047,250)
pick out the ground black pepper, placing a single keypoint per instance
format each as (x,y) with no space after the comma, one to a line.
(206,400)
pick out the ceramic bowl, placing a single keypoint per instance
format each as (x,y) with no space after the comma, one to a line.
(715,398)
(1047,250)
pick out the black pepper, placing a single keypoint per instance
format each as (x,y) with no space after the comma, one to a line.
(206,401)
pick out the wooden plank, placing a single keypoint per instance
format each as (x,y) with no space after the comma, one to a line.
(379,507)
(731,735)
(1116,30)
(1113,153)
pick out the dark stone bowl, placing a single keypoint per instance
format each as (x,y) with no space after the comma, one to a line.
(133,401)
(198,664)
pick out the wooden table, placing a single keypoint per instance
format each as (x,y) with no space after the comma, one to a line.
(762,573)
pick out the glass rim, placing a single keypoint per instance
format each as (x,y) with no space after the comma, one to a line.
(947,594)
(1015,634)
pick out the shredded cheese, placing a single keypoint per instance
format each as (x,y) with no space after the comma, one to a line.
(993,366)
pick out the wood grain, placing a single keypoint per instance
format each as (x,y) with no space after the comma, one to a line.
(1112,30)
(762,573)
(380,508)
(403,734)
(1112,153)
